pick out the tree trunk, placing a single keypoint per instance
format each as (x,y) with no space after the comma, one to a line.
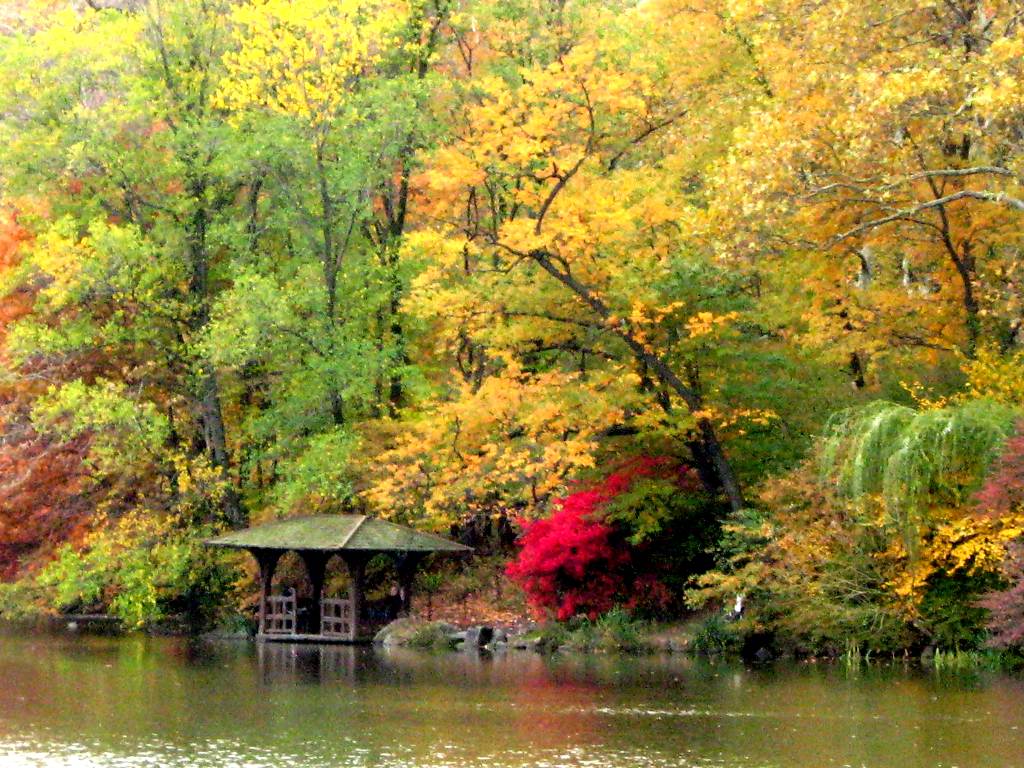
(216,446)
(713,448)
(965,269)
(331,265)
(664,372)
(211,414)
(396,387)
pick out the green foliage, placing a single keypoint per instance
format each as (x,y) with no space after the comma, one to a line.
(20,600)
(177,580)
(76,580)
(744,534)
(959,661)
(645,508)
(615,631)
(552,636)
(618,630)
(144,576)
(950,617)
(126,433)
(29,337)
(429,582)
(433,636)
(676,531)
(319,473)
(715,635)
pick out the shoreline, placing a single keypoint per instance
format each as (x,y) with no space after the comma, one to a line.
(547,640)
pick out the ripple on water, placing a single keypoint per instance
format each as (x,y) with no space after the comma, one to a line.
(148,703)
(229,754)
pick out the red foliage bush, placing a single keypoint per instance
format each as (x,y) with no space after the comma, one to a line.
(1006,608)
(574,563)
(42,499)
(1002,493)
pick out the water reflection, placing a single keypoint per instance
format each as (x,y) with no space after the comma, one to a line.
(137,702)
(299,663)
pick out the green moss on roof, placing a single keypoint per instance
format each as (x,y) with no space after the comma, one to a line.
(336,533)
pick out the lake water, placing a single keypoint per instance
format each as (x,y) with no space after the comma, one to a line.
(166,702)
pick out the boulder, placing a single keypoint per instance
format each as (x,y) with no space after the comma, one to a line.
(500,637)
(478,636)
(414,632)
(522,642)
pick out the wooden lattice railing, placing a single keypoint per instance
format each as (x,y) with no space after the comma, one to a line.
(336,618)
(280,615)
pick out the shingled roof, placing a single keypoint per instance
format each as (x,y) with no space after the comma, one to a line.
(336,533)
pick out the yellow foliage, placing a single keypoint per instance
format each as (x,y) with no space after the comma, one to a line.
(995,376)
(879,168)
(509,442)
(301,59)
(704,323)
(578,155)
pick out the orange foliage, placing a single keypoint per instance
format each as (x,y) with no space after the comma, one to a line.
(42,497)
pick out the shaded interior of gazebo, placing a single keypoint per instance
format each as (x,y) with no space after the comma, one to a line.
(355,539)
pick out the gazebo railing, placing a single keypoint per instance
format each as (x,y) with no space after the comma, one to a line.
(280,615)
(336,618)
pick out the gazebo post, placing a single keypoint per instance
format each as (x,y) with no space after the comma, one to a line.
(406,565)
(356,564)
(267,561)
(316,565)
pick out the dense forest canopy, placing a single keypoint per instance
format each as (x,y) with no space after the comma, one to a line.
(443,260)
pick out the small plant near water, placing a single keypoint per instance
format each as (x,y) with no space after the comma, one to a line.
(549,638)
(958,660)
(431,636)
(614,631)
(19,601)
(716,635)
(854,656)
(429,584)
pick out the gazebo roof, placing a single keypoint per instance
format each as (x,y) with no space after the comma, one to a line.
(336,533)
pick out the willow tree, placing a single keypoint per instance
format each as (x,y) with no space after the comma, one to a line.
(915,474)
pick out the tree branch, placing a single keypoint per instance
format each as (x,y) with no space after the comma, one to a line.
(1000,198)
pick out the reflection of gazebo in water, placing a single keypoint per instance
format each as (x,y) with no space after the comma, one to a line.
(356,539)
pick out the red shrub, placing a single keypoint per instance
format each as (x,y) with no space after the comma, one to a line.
(1006,608)
(573,563)
(1003,493)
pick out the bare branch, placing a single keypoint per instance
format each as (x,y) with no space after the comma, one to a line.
(563,179)
(640,137)
(1000,198)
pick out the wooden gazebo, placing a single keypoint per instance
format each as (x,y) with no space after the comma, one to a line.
(356,539)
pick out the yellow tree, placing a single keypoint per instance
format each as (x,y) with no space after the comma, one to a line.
(557,215)
(504,442)
(884,163)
